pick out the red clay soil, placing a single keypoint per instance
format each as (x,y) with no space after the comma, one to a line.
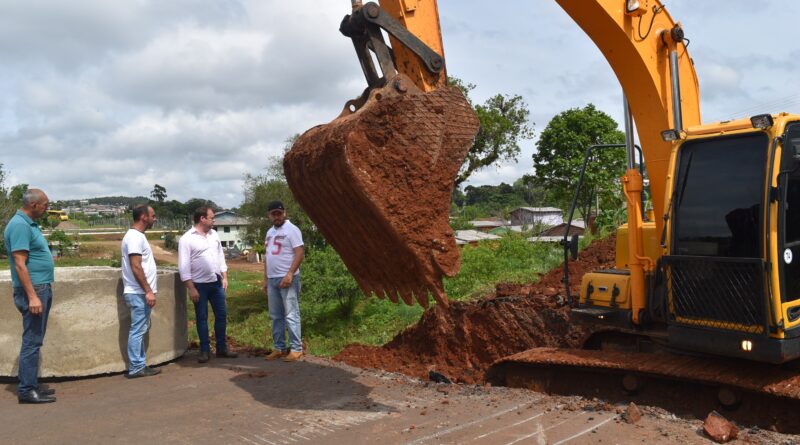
(461,341)
(383,176)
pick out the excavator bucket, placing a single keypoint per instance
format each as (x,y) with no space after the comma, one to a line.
(377,183)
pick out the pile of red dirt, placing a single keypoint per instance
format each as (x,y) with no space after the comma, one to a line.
(463,340)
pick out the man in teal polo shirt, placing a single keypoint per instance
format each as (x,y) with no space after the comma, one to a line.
(32,276)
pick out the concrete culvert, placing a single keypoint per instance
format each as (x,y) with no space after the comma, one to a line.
(87,331)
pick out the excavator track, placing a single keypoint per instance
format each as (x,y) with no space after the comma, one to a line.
(377,184)
(754,393)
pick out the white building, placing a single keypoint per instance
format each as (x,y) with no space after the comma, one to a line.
(530,216)
(231,229)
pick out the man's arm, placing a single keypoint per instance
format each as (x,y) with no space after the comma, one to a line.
(266,254)
(185,268)
(138,273)
(223,266)
(20,266)
(299,253)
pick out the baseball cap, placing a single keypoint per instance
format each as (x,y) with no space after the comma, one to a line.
(275,205)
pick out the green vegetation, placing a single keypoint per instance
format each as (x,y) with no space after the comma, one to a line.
(335,312)
(560,152)
(503,126)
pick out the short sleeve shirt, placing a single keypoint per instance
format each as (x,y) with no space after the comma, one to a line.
(22,233)
(135,243)
(280,244)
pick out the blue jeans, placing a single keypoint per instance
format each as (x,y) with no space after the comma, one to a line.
(33,329)
(284,311)
(140,323)
(211,293)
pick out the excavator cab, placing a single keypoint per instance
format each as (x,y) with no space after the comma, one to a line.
(730,273)
(377,180)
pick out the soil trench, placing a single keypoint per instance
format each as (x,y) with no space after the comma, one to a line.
(464,339)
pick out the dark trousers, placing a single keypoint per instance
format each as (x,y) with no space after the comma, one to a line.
(33,329)
(214,294)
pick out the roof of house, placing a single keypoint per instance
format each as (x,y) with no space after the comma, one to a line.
(469,236)
(546,239)
(539,209)
(576,223)
(492,223)
(228,218)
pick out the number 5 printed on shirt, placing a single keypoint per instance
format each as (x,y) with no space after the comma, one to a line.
(278,247)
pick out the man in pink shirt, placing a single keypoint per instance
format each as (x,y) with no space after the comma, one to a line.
(201,264)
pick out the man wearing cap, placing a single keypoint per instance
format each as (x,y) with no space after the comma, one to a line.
(202,267)
(284,253)
(32,275)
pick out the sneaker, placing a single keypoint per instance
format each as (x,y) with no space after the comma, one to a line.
(144,372)
(275,354)
(293,356)
(204,356)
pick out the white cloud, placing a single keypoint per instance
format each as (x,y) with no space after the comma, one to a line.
(101,98)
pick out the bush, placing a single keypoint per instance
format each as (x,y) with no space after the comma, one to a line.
(511,258)
(63,240)
(326,279)
(170,242)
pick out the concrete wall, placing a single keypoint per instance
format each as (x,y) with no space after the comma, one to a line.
(87,332)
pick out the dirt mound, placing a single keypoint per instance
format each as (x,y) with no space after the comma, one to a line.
(462,340)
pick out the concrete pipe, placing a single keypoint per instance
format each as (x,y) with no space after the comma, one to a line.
(87,332)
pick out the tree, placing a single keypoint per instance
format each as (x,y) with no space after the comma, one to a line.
(7,208)
(503,124)
(260,190)
(159,193)
(532,193)
(16,194)
(560,153)
(495,199)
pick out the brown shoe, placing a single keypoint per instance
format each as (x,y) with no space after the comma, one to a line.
(293,356)
(275,354)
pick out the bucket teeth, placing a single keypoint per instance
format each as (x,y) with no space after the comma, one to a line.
(392,296)
(377,184)
(407,296)
(422,298)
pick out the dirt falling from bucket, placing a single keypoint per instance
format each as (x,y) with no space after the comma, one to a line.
(464,339)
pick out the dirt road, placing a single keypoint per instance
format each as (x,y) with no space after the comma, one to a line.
(251,401)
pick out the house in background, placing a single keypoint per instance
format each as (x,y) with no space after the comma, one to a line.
(533,216)
(556,233)
(488,224)
(473,237)
(231,229)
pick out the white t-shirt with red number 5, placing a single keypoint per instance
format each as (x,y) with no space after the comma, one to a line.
(280,244)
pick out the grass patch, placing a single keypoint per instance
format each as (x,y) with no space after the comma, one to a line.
(68,262)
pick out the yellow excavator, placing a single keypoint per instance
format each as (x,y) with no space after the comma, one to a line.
(715,273)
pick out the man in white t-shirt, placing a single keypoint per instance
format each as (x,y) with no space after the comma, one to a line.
(139,279)
(284,253)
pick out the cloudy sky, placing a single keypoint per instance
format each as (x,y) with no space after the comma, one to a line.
(109,98)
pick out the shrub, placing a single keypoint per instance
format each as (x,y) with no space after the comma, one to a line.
(326,279)
(170,242)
